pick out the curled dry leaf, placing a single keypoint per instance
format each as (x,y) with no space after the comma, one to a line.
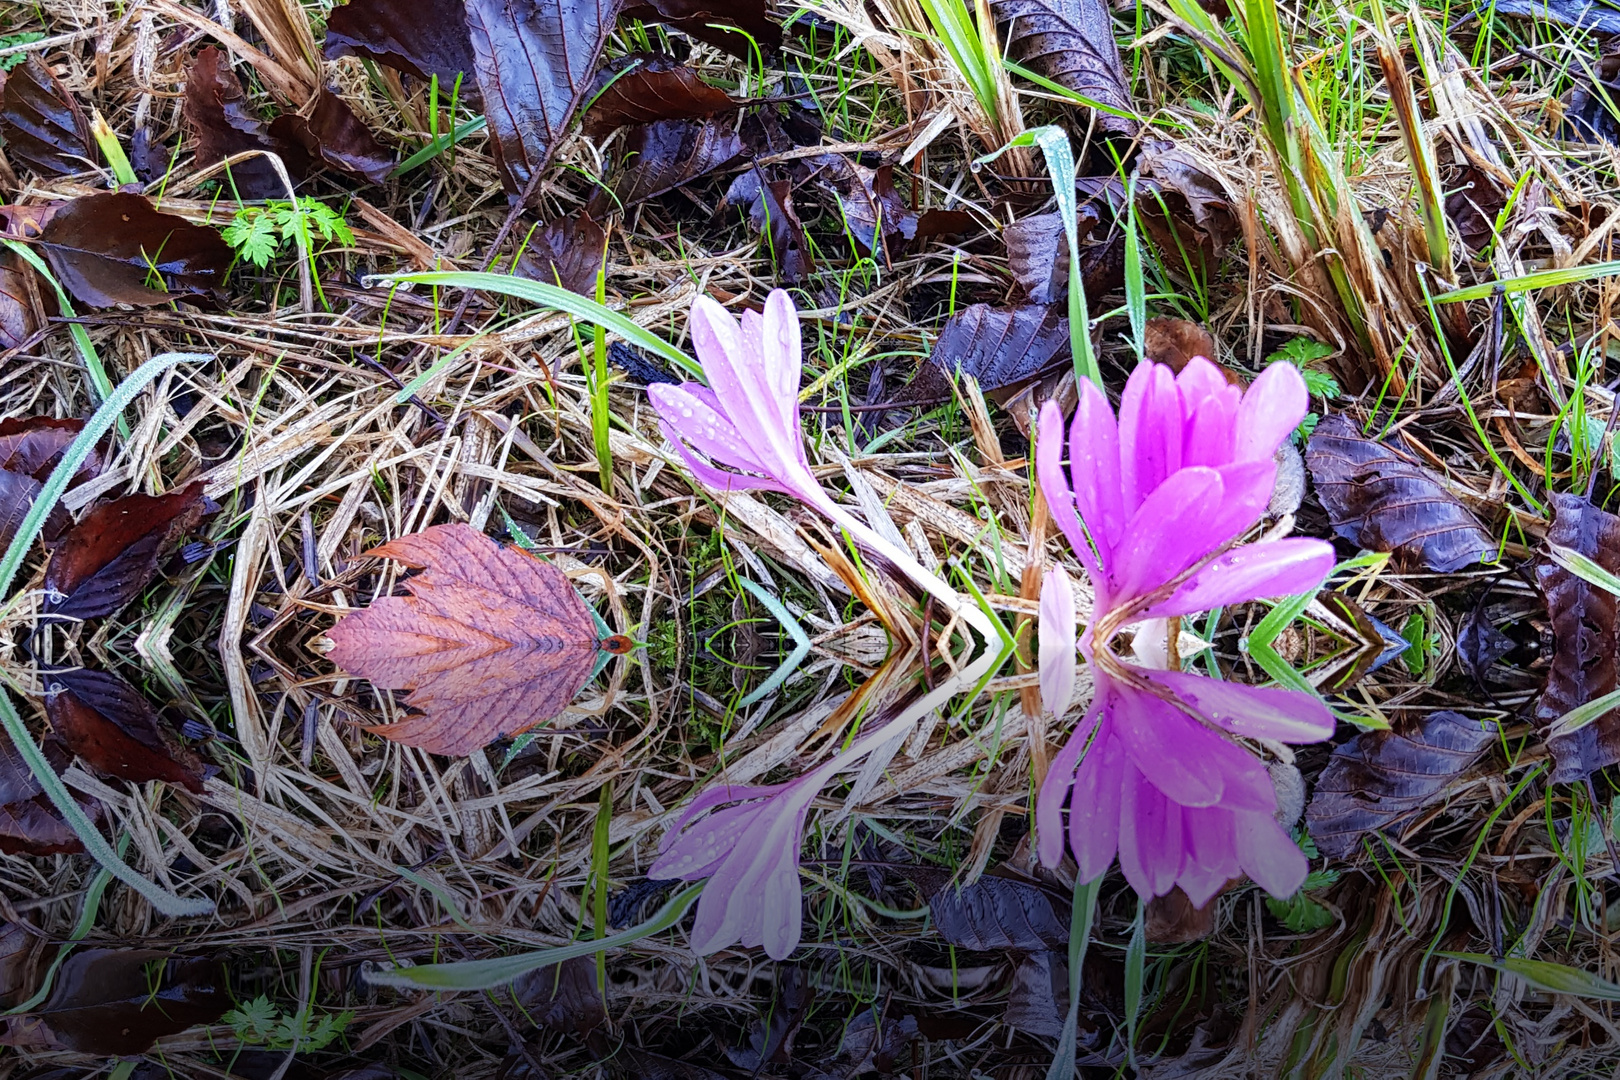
(1379,778)
(118,1002)
(30,448)
(534,63)
(112,726)
(664,155)
(222,124)
(1586,635)
(420,37)
(333,135)
(771,211)
(111,248)
(42,125)
(645,87)
(491,641)
(1173,920)
(1383,501)
(568,251)
(1070,42)
(565,997)
(874,212)
(17,316)
(110,556)
(1473,204)
(29,823)
(1175,342)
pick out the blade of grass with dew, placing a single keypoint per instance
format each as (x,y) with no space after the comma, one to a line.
(801,642)
(99,382)
(1135,285)
(551,297)
(1081,915)
(1545,975)
(488,974)
(1054,144)
(1541,279)
(439,145)
(601,418)
(1584,568)
(98,425)
(414,387)
(1582,715)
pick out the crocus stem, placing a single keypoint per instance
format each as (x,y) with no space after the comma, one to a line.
(963,607)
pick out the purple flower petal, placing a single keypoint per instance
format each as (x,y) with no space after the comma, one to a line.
(784,360)
(1094,461)
(693,412)
(1172,528)
(1055,487)
(1150,851)
(1198,382)
(1057,642)
(1262,571)
(1167,745)
(1246,489)
(1272,407)
(1211,854)
(1269,855)
(719,480)
(697,851)
(1054,790)
(1149,432)
(1257,712)
(1209,432)
(1094,808)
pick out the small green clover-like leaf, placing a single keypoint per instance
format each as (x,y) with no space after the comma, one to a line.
(254,1021)
(253,235)
(9,41)
(1299,912)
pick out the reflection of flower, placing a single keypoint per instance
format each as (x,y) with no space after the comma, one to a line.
(1163,786)
(1185,470)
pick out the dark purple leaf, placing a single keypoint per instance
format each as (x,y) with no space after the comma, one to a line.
(771,211)
(568,251)
(422,38)
(698,19)
(1379,778)
(42,125)
(565,997)
(216,110)
(994,914)
(34,444)
(664,155)
(1070,42)
(119,1002)
(1383,501)
(875,213)
(112,726)
(1003,348)
(332,134)
(651,87)
(1586,635)
(113,248)
(534,63)
(1586,14)
(639,365)
(29,823)
(110,556)
(1038,998)
(16,307)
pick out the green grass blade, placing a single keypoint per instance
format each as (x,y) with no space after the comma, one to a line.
(439,144)
(488,974)
(801,642)
(1545,975)
(99,382)
(1541,279)
(1081,916)
(551,297)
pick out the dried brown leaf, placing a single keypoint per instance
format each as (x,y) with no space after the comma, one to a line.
(112,248)
(110,556)
(42,125)
(644,87)
(110,1002)
(711,20)
(1003,348)
(222,124)
(770,209)
(333,135)
(420,37)
(568,251)
(112,726)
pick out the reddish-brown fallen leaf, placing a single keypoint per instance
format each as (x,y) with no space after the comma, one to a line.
(534,63)
(875,213)
(29,824)
(216,110)
(491,641)
(420,37)
(333,135)
(711,21)
(16,309)
(1586,633)
(1175,342)
(118,1002)
(41,123)
(665,155)
(568,251)
(106,248)
(644,87)
(34,444)
(112,726)
(112,554)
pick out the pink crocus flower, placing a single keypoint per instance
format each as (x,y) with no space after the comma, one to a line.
(1151,775)
(1160,493)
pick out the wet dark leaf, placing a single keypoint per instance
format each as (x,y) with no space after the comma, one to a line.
(534,63)
(112,726)
(652,87)
(19,950)
(638,365)
(993,914)
(871,1045)
(1380,777)
(1479,643)
(1383,501)
(567,251)
(875,213)
(1173,920)
(644,1065)
(222,124)
(770,210)
(1473,204)
(664,155)
(113,248)
(109,557)
(1038,998)
(1038,257)
(420,37)
(1586,635)
(1071,42)
(565,998)
(120,1001)
(16,314)
(1003,348)
(1597,15)
(698,18)
(41,123)
(332,134)
(770,1036)
(34,444)
(29,824)
(17,494)
(1184,208)
(934,223)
